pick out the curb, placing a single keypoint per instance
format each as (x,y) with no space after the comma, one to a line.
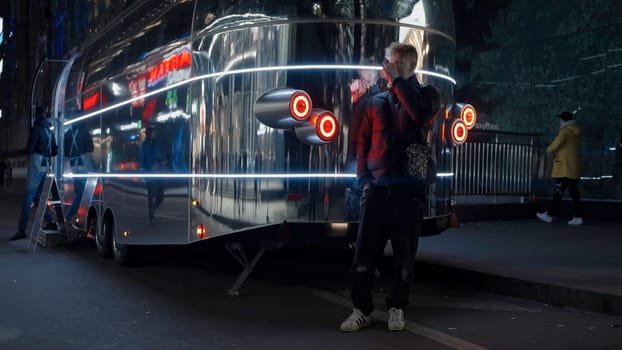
(560,296)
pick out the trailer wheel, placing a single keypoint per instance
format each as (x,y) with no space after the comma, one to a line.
(123,254)
(103,239)
(92,228)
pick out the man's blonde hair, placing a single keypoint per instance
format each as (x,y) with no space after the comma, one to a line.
(403,51)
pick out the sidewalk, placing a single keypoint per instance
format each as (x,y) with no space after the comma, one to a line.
(554,263)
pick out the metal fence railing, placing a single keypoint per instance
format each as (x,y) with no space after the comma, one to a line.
(495,163)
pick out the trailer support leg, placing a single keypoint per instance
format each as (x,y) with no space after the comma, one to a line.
(237,251)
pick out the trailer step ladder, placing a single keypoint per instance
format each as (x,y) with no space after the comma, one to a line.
(38,236)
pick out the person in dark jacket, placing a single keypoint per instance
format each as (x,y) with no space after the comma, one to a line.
(41,147)
(391,204)
(77,146)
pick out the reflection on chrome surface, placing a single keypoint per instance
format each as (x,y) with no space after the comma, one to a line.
(170,102)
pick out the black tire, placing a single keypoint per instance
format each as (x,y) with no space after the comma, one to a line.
(123,254)
(103,239)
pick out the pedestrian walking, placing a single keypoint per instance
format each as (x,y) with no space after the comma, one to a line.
(566,168)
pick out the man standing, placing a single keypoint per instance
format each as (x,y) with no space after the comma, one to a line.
(566,168)
(41,147)
(391,204)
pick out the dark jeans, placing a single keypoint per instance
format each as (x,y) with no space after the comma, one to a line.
(353,201)
(561,183)
(386,214)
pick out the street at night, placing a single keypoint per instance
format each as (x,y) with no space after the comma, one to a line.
(311,174)
(176,298)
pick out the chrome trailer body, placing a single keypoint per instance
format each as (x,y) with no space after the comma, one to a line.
(194,71)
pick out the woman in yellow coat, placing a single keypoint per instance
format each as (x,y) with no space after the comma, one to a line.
(566,168)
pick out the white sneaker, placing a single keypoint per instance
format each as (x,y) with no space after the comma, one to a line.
(396,319)
(545,217)
(355,321)
(576,221)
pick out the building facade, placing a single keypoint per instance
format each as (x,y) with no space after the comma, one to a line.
(32,31)
(523,62)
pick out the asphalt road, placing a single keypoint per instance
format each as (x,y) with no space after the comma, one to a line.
(68,298)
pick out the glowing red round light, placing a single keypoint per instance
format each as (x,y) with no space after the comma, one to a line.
(300,106)
(468,116)
(201,231)
(459,132)
(327,127)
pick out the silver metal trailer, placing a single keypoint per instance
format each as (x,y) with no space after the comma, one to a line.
(220,86)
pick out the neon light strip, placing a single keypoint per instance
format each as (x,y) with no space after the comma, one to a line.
(212,176)
(596,178)
(243,71)
(222,176)
(418,71)
(438,75)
